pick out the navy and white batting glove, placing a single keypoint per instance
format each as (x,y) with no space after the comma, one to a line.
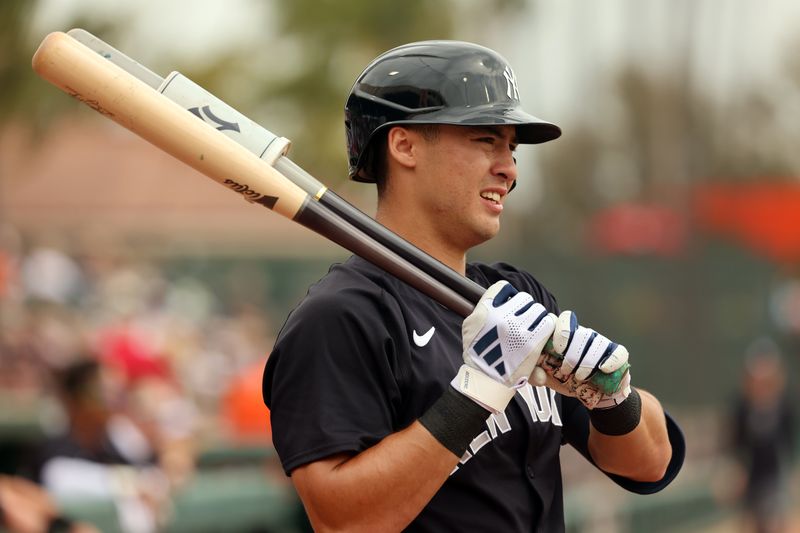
(502,339)
(586,352)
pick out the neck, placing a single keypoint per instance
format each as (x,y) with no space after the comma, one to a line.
(405,224)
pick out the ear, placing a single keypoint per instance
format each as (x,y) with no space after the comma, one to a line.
(400,144)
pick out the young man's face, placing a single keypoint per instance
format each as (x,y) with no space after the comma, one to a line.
(464,176)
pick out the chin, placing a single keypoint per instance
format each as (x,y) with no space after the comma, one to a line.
(486,234)
(492,230)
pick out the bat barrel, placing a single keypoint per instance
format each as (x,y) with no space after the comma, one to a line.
(109,90)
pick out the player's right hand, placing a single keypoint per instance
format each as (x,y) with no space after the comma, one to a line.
(502,339)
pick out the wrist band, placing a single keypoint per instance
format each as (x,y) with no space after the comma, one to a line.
(454,420)
(620,419)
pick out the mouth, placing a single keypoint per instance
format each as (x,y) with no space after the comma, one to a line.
(491,196)
(492,199)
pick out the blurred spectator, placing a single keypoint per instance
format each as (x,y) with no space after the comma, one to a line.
(127,427)
(152,397)
(50,275)
(102,454)
(763,431)
(27,508)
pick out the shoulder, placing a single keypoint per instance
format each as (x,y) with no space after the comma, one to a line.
(346,330)
(486,275)
(352,285)
(352,305)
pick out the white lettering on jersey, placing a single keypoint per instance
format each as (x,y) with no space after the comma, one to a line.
(498,422)
(542,407)
(556,415)
(479,442)
(494,423)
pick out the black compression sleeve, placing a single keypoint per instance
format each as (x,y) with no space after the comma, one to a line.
(620,419)
(454,420)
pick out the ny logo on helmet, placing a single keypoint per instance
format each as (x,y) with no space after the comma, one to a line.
(511,81)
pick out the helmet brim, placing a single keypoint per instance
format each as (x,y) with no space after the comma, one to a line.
(529,129)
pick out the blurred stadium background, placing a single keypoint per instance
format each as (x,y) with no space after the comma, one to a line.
(668,215)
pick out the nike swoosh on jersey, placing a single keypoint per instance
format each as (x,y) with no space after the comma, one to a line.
(425,338)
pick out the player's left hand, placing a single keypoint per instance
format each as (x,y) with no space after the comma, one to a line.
(585,352)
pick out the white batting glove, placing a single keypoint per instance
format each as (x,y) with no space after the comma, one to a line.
(585,352)
(503,339)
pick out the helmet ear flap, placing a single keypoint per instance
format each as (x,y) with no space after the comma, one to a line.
(373,167)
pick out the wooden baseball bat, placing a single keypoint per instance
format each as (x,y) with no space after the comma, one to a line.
(108,89)
(114,93)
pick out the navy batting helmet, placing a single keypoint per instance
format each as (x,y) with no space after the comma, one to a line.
(435,82)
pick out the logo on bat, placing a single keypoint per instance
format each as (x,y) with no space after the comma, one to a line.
(250,195)
(204,113)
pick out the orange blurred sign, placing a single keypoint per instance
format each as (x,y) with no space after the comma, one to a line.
(765,217)
(243,407)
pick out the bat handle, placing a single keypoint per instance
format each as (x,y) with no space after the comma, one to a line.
(605,383)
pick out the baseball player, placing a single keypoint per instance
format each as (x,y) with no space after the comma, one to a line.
(389,411)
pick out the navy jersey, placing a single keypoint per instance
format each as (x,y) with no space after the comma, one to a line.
(364,355)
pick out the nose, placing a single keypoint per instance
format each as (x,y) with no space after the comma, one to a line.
(506,166)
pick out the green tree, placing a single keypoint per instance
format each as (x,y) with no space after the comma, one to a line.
(24,97)
(20,92)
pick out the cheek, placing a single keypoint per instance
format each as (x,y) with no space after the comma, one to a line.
(464,170)
(452,179)
(466,179)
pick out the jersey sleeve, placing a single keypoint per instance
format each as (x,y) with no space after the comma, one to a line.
(576,433)
(330,380)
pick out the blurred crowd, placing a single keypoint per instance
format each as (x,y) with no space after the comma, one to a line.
(127,374)
(129,370)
